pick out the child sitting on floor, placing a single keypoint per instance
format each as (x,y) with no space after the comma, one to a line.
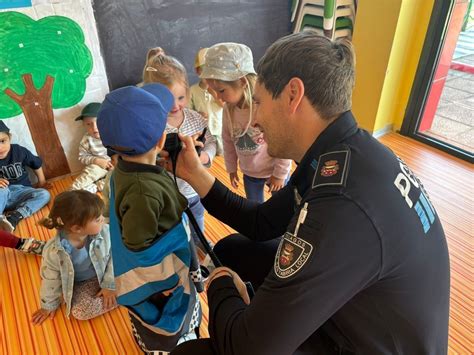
(77,264)
(17,196)
(92,153)
(155,261)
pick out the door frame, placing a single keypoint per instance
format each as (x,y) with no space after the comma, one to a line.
(427,66)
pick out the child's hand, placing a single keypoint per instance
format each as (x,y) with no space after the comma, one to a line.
(108,297)
(275,184)
(234,180)
(204,114)
(110,166)
(4,183)
(44,185)
(103,163)
(41,315)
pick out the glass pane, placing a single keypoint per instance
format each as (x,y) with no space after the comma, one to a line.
(449,110)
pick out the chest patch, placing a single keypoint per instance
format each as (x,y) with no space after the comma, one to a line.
(291,256)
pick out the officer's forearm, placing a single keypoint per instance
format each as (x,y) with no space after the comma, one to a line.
(202,183)
(256,221)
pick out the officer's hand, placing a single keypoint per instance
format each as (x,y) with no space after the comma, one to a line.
(239,284)
(188,164)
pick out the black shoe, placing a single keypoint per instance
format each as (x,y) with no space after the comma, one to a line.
(14,218)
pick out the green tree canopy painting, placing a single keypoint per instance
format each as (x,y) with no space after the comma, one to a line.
(43,65)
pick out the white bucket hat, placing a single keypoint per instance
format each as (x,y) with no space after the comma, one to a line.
(227,62)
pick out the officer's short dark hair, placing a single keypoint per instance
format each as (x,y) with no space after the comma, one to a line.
(326,68)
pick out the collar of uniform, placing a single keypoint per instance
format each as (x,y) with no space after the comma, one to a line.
(131,167)
(341,128)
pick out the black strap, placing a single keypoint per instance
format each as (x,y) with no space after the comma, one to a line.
(200,234)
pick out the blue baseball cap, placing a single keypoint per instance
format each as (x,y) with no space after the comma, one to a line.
(131,120)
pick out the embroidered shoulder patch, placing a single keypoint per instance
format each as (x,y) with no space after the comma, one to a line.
(332,169)
(291,256)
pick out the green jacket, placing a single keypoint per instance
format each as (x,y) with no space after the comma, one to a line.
(147,203)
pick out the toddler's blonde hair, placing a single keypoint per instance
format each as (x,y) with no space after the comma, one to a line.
(164,69)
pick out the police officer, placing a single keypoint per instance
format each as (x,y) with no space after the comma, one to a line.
(350,257)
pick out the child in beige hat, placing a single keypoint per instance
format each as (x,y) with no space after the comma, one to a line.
(204,100)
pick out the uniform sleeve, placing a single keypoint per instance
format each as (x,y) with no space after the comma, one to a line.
(230,154)
(51,287)
(281,168)
(289,307)
(85,156)
(139,220)
(256,221)
(31,160)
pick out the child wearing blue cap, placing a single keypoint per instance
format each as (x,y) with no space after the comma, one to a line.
(155,260)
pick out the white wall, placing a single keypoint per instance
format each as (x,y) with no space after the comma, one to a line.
(69,131)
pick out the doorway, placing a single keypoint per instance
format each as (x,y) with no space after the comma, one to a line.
(441,106)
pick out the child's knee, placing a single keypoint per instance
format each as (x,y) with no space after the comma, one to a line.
(4,192)
(43,194)
(80,314)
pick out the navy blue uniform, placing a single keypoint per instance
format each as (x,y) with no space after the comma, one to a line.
(367,263)
(13,167)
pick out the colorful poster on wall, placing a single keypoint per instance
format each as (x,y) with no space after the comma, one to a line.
(10,4)
(44,65)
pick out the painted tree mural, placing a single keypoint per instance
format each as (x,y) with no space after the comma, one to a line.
(43,65)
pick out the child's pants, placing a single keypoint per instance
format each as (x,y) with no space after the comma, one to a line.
(8,240)
(24,199)
(89,176)
(254,187)
(85,304)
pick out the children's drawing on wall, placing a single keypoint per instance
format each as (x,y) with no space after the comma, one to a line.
(44,65)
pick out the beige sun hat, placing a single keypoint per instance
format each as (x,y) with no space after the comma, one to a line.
(199,59)
(228,62)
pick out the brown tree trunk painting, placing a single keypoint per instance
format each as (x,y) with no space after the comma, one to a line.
(38,110)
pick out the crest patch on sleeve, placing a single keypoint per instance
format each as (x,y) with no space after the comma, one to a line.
(332,169)
(291,256)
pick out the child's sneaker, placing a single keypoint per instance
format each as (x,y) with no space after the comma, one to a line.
(31,246)
(14,217)
(10,220)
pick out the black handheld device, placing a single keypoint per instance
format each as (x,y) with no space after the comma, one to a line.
(173,144)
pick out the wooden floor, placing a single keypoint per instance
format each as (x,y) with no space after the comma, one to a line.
(448,180)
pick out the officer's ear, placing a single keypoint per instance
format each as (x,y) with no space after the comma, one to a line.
(295,93)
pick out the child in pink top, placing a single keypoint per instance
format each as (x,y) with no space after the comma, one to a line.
(229,71)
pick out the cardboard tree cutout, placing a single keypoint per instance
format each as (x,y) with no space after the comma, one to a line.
(43,65)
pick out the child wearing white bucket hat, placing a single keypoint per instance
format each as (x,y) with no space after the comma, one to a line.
(228,70)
